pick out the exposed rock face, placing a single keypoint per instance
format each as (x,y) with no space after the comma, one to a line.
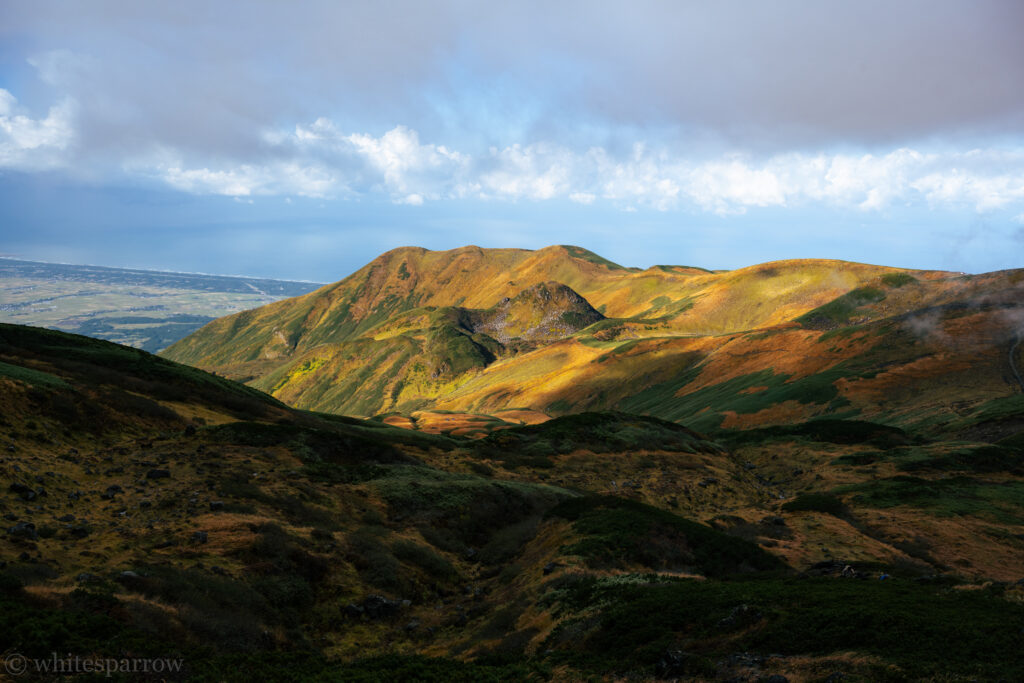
(545,311)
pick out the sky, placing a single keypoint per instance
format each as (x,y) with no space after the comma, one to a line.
(299,140)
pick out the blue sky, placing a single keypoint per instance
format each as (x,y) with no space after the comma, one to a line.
(300,140)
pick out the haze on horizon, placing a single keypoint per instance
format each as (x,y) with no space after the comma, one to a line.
(301,140)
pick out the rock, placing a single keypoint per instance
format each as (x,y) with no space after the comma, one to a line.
(66,518)
(550,567)
(412,625)
(23,491)
(190,430)
(353,611)
(740,617)
(85,577)
(379,607)
(24,530)
(127,576)
(79,531)
(200,537)
(158,474)
(216,505)
(826,567)
(144,504)
(671,664)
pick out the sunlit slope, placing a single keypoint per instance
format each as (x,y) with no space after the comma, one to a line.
(942,355)
(556,330)
(395,282)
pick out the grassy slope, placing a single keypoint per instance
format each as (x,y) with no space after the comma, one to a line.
(391,337)
(552,550)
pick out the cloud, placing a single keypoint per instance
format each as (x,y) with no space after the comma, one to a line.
(34,144)
(762,76)
(280,177)
(319,160)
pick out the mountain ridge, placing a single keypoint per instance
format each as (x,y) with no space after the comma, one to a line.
(799,338)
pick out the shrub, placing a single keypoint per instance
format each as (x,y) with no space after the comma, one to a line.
(817,502)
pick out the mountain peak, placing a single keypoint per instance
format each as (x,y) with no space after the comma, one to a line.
(547,310)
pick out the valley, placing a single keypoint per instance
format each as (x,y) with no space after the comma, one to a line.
(512,465)
(142,308)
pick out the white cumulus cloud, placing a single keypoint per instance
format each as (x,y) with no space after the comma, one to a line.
(34,144)
(319,160)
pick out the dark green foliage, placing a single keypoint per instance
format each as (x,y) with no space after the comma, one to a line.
(897,280)
(423,557)
(817,502)
(293,666)
(374,430)
(841,309)
(506,543)
(82,626)
(982,460)
(375,561)
(926,630)
(559,406)
(959,495)
(33,377)
(90,625)
(451,351)
(343,474)
(218,610)
(847,432)
(618,532)
(703,409)
(313,445)
(456,512)
(1014,442)
(98,363)
(606,432)
(133,404)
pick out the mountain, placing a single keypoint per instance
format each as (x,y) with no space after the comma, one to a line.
(562,330)
(153,510)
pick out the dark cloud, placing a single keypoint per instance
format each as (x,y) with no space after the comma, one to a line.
(211,76)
